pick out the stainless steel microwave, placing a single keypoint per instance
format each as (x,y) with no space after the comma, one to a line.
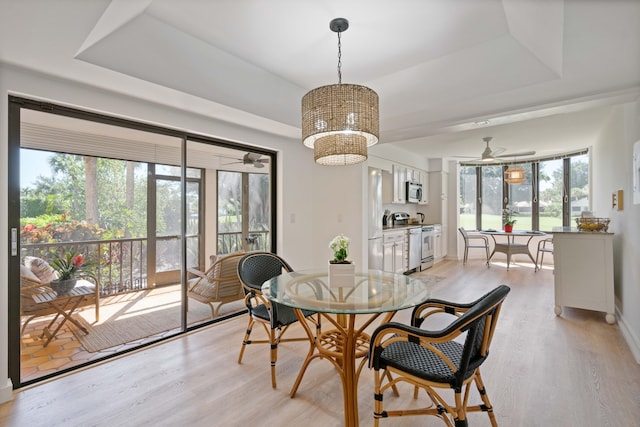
(414,192)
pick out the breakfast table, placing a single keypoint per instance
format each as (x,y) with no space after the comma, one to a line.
(510,246)
(372,293)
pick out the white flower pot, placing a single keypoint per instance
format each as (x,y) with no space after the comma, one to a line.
(342,275)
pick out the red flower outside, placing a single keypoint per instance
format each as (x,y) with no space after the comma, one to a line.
(78,261)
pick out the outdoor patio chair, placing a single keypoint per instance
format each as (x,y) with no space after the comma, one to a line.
(447,357)
(254,269)
(469,239)
(544,246)
(31,284)
(219,284)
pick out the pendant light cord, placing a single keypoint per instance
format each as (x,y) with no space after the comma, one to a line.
(339,59)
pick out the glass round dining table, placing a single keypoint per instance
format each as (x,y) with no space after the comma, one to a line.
(372,293)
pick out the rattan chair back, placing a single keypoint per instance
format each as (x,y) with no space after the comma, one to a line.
(438,359)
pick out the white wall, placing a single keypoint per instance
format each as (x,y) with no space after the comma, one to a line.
(612,171)
(314,202)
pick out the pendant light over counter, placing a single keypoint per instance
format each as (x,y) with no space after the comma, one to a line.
(340,121)
(514,175)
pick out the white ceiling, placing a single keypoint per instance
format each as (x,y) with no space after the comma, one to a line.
(543,73)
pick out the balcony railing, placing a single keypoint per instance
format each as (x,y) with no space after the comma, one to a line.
(120,265)
(232,242)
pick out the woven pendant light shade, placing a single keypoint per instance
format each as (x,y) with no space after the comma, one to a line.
(340,121)
(340,150)
(347,111)
(514,175)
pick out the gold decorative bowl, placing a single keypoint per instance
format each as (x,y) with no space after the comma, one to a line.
(593,224)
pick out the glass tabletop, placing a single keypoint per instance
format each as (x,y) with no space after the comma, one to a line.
(373,291)
(514,232)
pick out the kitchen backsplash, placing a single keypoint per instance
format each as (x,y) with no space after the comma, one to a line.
(411,208)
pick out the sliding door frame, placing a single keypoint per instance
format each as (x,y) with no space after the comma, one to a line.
(16,104)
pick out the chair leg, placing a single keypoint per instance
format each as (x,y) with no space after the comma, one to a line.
(273,339)
(466,254)
(485,399)
(246,340)
(539,266)
(541,259)
(378,396)
(24,325)
(460,419)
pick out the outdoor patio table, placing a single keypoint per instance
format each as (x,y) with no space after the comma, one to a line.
(64,305)
(372,293)
(510,246)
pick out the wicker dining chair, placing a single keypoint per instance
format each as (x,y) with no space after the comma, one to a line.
(254,269)
(446,358)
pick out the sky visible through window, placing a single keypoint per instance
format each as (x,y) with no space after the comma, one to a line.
(33,164)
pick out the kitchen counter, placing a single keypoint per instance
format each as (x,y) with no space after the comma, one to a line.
(583,271)
(558,230)
(401,227)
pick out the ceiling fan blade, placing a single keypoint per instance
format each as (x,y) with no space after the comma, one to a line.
(252,157)
(498,150)
(522,153)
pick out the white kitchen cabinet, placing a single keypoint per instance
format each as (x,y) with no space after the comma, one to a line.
(424,180)
(437,242)
(394,184)
(393,244)
(413,175)
(583,271)
(444,247)
(399,182)
(437,210)
(388,187)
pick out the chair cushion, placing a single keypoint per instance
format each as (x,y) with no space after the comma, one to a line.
(85,283)
(40,268)
(423,363)
(261,312)
(27,274)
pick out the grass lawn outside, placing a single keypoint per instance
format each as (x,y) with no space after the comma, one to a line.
(468,221)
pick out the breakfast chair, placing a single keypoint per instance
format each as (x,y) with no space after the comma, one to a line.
(254,269)
(443,358)
(544,246)
(482,243)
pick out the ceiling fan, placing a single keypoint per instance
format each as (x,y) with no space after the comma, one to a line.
(489,155)
(254,159)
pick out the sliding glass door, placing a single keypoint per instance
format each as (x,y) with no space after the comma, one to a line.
(243,212)
(139,205)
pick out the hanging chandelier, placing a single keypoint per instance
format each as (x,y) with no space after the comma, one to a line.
(514,175)
(340,121)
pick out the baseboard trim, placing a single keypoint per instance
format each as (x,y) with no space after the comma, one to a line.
(6,392)
(629,337)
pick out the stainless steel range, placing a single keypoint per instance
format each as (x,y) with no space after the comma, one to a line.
(427,247)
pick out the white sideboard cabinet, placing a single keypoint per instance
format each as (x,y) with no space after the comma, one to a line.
(583,271)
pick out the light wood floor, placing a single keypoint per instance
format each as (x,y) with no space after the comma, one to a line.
(543,370)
